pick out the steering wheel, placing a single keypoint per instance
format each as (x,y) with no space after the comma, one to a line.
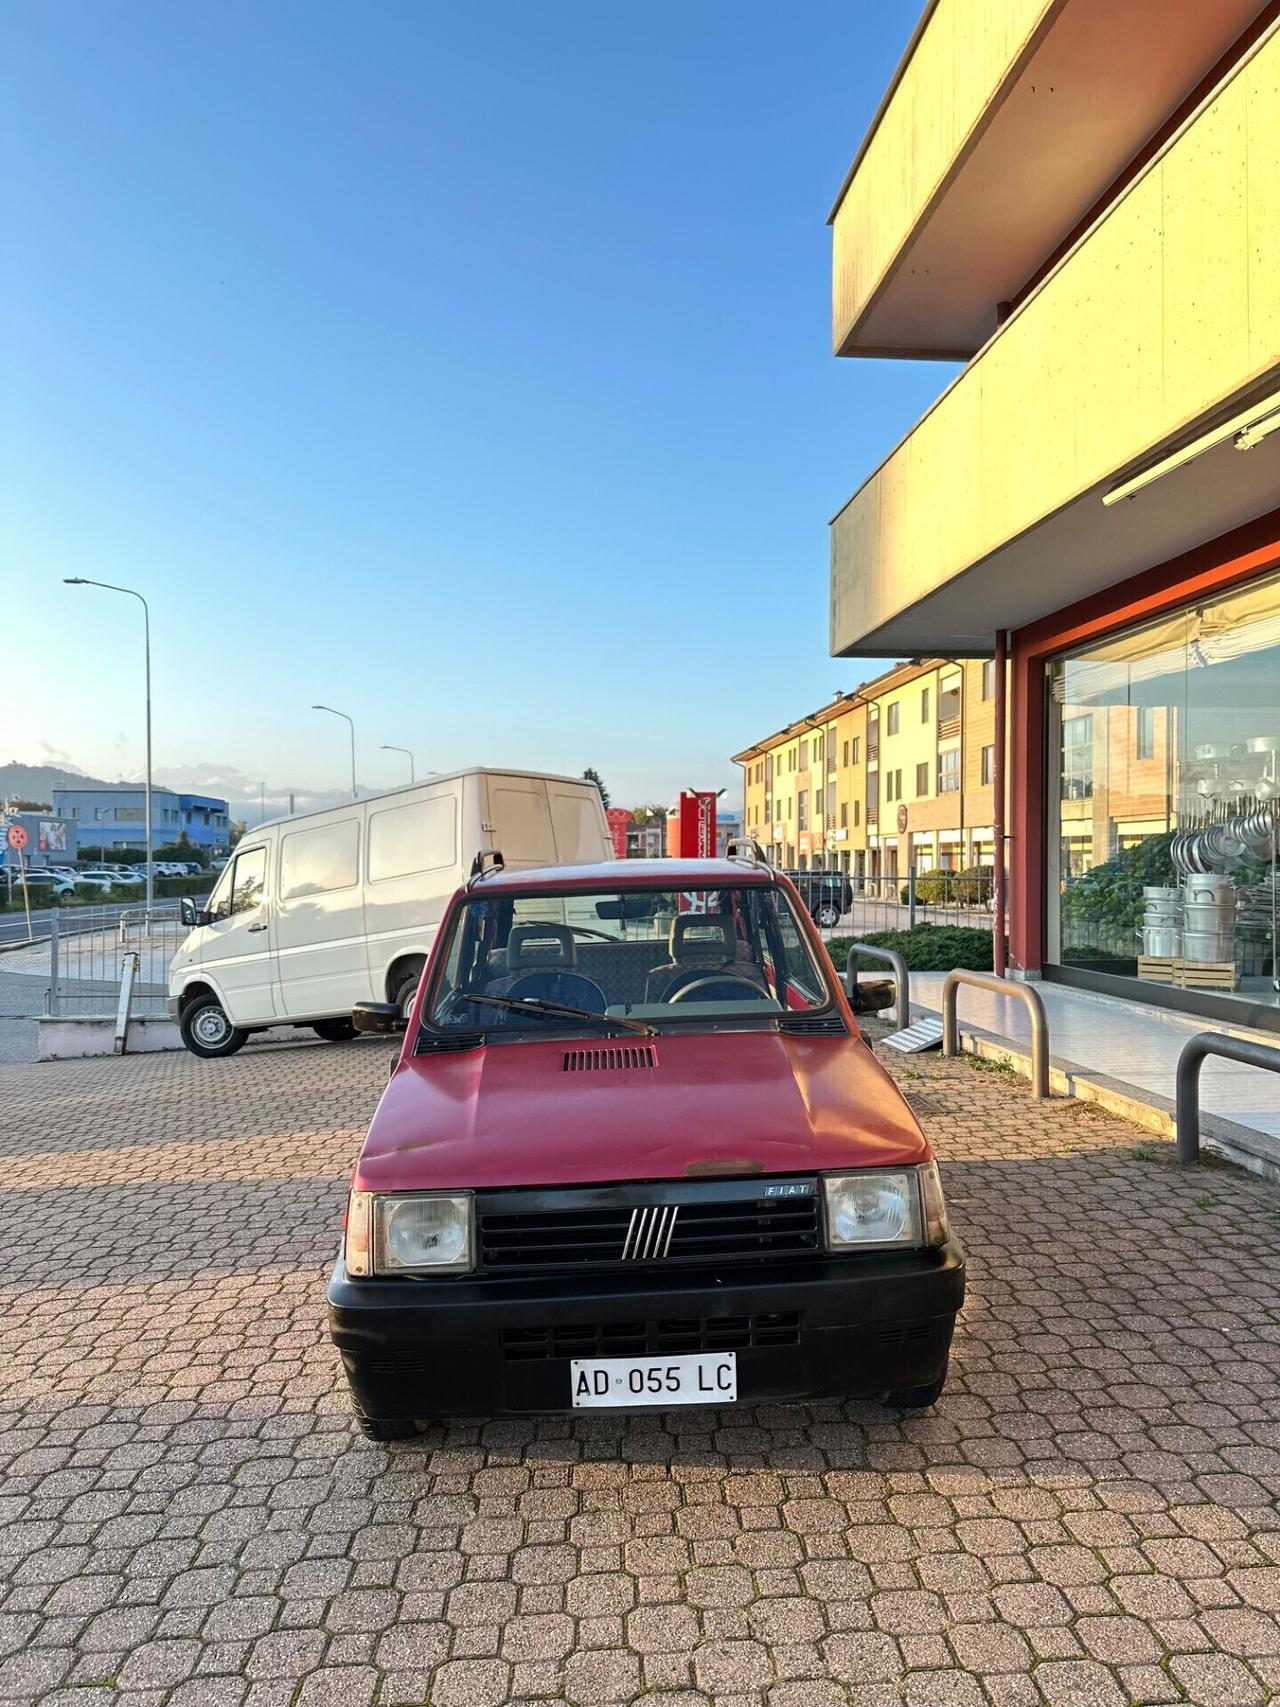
(734,980)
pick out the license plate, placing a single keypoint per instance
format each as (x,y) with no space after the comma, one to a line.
(696,1378)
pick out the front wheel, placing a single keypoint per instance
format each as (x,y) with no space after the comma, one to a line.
(334,1030)
(207,1031)
(384,1428)
(918,1398)
(827,915)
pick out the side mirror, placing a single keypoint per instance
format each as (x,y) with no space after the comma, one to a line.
(193,912)
(380,1018)
(870,998)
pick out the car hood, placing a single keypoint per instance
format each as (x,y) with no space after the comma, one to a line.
(710,1105)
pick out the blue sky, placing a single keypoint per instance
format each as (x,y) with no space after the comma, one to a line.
(467,368)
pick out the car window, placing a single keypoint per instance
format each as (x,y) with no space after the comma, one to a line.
(669,958)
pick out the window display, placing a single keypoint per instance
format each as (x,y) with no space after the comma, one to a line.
(1167,800)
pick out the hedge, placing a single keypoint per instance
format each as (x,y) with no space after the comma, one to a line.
(927,948)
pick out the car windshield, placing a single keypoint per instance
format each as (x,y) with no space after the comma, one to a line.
(664,958)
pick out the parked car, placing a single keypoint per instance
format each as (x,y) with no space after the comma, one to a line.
(642,1162)
(827,894)
(322,910)
(45,877)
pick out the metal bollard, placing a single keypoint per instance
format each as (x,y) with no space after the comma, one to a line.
(901,977)
(1026,995)
(1187,1092)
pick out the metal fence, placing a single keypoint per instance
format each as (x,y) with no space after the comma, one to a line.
(896,903)
(87,950)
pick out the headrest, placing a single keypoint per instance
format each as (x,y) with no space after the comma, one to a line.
(696,935)
(531,947)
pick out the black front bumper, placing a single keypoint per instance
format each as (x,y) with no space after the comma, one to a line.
(822,1328)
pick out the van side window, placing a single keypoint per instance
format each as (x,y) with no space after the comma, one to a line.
(249,881)
(407,839)
(312,862)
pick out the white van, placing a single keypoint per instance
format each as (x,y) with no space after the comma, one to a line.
(316,912)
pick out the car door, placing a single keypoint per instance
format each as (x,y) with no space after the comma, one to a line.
(236,950)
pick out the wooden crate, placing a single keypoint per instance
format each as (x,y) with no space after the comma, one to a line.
(1188,974)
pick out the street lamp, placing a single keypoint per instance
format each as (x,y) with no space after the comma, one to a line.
(354,793)
(387,748)
(81,581)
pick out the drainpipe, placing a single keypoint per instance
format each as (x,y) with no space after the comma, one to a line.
(997,810)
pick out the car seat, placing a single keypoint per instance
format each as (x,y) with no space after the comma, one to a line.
(701,944)
(540,963)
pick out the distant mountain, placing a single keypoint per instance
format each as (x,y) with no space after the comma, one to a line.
(37,782)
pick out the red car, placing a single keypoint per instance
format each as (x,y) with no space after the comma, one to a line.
(635,1153)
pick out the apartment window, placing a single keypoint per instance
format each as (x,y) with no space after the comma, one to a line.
(897,780)
(130,815)
(922,778)
(949,700)
(804,755)
(846,755)
(1146,732)
(831,800)
(988,678)
(802,809)
(844,817)
(831,749)
(988,766)
(949,771)
(856,750)
(924,705)
(817,752)
(893,715)
(857,813)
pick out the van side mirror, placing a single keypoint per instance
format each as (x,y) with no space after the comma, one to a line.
(378,1018)
(192,913)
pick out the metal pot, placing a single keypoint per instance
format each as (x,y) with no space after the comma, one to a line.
(1204,946)
(1164,942)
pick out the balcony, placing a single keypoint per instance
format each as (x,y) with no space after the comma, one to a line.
(1162,321)
(1004,125)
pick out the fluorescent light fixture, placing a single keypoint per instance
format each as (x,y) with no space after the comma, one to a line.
(1246,429)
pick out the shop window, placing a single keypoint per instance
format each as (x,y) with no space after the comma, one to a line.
(1077,758)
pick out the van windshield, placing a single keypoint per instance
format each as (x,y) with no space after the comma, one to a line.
(657,956)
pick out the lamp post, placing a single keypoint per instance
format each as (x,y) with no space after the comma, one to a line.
(107,586)
(354,793)
(387,748)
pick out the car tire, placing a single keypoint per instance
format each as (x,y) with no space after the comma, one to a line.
(918,1398)
(826,915)
(206,1030)
(406,991)
(334,1030)
(386,1428)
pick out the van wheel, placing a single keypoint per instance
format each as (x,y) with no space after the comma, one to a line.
(405,993)
(386,1428)
(334,1030)
(207,1031)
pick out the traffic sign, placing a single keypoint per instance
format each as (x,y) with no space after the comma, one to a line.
(18,837)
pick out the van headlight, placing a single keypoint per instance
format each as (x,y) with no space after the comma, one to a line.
(885,1207)
(418,1233)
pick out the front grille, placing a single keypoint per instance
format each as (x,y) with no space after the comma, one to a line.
(642,1339)
(723,1222)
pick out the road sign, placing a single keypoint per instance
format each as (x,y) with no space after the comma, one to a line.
(18,837)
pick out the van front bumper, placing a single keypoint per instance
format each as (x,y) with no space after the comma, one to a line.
(831,1327)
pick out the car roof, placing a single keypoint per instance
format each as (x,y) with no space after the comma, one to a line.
(628,874)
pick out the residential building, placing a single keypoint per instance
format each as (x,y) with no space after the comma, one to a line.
(116,817)
(891,775)
(1080,202)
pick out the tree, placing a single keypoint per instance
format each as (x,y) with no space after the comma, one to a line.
(644,815)
(28,806)
(590,775)
(238,828)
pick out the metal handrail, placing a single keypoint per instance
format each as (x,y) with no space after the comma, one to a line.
(1190,1061)
(902,978)
(1004,987)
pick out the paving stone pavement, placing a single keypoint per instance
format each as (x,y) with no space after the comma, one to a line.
(1089,1517)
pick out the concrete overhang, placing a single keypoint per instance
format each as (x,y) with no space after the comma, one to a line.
(1160,323)
(1004,125)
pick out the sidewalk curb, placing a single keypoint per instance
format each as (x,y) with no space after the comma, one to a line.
(1243,1146)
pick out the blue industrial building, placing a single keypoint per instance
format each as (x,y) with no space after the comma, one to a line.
(116,817)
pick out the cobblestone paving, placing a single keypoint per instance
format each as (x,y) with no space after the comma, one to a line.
(1089,1517)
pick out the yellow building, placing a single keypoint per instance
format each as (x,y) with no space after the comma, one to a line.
(894,774)
(1079,201)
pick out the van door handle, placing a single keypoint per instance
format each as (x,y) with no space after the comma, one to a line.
(261,927)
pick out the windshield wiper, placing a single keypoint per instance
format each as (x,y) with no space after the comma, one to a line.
(541,1007)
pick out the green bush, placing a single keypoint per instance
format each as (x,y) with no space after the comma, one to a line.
(927,948)
(970,888)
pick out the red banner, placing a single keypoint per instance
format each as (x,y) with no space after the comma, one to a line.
(696,827)
(619,823)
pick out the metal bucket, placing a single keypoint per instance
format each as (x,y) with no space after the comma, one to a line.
(1204,946)
(1163,942)
(1213,889)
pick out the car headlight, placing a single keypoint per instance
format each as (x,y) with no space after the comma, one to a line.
(885,1206)
(422,1233)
